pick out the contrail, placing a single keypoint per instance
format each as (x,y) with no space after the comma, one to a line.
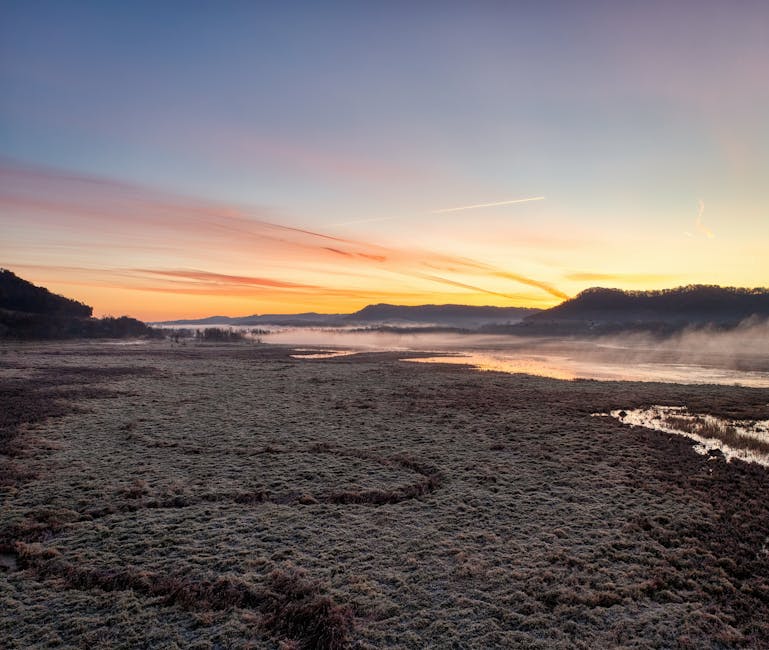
(443,210)
(701,226)
(489,205)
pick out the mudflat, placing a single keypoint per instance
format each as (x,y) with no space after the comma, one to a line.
(236,496)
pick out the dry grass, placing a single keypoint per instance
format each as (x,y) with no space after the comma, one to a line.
(290,604)
(718,430)
(234,497)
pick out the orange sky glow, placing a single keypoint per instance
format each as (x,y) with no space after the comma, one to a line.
(160,256)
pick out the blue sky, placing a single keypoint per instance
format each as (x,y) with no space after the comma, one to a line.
(644,126)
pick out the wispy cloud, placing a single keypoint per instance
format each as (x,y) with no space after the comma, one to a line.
(701,226)
(553,291)
(463,285)
(225,279)
(150,237)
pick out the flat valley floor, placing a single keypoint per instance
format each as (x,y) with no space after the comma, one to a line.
(233,496)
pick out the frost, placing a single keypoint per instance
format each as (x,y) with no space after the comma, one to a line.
(746,440)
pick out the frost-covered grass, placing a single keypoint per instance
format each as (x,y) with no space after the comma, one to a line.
(746,440)
(233,496)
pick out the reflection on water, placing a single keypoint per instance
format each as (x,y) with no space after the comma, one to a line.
(324,354)
(564,367)
(737,357)
(528,365)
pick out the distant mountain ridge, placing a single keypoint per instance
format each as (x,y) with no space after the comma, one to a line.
(441,313)
(296,320)
(380,314)
(595,310)
(29,311)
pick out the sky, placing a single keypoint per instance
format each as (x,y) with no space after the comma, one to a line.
(187,159)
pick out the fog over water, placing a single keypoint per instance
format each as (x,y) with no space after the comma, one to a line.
(739,356)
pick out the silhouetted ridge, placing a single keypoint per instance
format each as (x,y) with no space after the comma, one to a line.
(595,311)
(694,304)
(19,295)
(31,312)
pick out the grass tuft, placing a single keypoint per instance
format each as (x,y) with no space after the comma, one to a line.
(724,432)
(290,604)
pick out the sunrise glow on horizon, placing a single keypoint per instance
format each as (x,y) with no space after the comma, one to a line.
(170,160)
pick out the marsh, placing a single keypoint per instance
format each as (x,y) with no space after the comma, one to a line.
(233,495)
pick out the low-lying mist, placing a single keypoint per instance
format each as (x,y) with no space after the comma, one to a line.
(696,355)
(391,340)
(749,340)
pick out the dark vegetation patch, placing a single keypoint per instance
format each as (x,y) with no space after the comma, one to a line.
(290,604)
(579,397)
(51,393)
(734,403)
(722,561)
(91,374)
(54,392)
(219,335)
(27,402)
(16,325)
(24,402)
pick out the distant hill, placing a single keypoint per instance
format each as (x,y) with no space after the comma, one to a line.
(447,315)
(31,312)
(462,316)
(285,320)
(19,295)
(211,320)
(692,305)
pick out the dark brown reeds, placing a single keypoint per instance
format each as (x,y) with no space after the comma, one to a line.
(290,604)
(726,433)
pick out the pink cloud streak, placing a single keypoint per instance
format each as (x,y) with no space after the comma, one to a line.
(132,220)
